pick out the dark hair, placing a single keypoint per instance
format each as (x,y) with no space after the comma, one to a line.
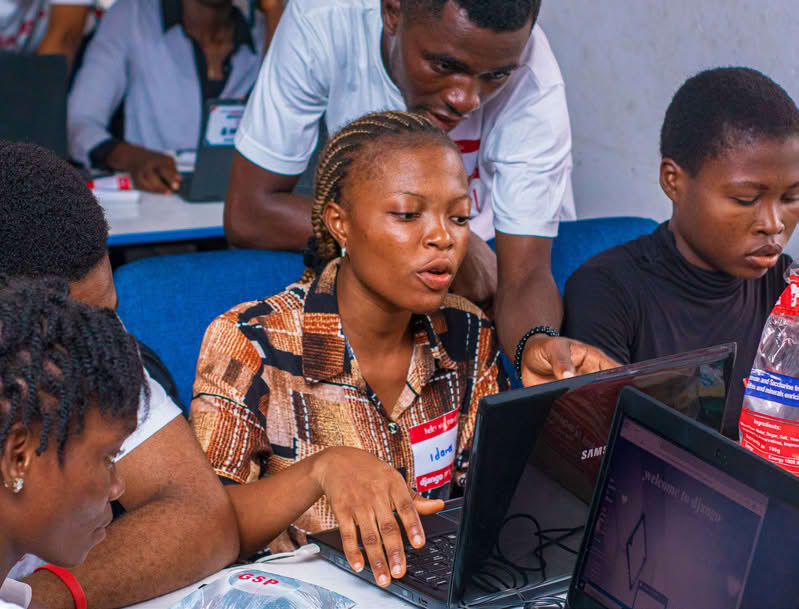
(80,355)
(713,110)
(494,15)
(391,129)
(50,222)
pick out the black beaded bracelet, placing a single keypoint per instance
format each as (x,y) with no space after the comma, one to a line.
(517,361)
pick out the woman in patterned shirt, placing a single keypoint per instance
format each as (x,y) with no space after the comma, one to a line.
(367,351)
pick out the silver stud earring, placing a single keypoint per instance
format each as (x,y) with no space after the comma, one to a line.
(16,485)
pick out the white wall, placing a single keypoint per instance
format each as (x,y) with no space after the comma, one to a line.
(623,60)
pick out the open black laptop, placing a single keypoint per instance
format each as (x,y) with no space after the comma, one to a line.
(214,156)
(522,517)
(33,104)
(684,517)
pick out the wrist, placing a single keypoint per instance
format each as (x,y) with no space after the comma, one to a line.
(56,588)
(532,335)
(122,157)
(320,464)
(127,157)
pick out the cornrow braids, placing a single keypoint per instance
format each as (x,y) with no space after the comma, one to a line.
(344,150)
(80,355)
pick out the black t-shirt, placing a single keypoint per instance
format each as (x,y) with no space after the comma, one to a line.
(642,300)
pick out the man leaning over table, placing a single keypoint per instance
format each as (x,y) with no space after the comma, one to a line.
(480,69)
(163,59)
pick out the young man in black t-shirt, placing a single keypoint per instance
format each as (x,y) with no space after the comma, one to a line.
(711,274)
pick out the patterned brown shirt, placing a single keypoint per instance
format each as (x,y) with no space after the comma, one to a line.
(277,382)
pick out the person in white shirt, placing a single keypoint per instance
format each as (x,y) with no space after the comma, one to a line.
(53,226)
(47,27)
(70,385)
(480,69)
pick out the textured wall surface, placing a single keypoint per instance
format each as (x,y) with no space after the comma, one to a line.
(622,60)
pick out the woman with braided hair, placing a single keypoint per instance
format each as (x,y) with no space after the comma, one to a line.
(368,354)
(70,383)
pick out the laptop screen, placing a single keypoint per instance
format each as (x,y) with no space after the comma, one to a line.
(535,460)
(676,531)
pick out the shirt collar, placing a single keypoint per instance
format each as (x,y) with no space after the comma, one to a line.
(324,346)
(172,15)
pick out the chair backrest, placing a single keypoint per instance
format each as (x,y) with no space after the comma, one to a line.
(167,302)
(579,240)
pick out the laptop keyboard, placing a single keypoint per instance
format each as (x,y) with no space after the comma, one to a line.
(432,564)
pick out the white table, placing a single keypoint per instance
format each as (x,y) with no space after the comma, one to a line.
(166,218)
(313,570)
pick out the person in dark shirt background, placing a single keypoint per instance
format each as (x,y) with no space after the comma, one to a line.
(712,273)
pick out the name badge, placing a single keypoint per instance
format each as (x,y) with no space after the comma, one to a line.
(223,122)
(433,444)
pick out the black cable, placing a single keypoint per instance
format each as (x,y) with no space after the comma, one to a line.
(546,602)
(538,551)
(498,566)
(556,541)
(503,585)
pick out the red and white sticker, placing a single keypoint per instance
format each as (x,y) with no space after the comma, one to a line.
(433,445)
(262,583)
(774,439)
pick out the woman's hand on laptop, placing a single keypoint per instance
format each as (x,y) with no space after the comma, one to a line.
(550,358)
(363,493)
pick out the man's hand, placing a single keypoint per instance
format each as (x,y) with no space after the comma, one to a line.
(156,173)
(151,171)
(477,278)
(363,493)
(549,358)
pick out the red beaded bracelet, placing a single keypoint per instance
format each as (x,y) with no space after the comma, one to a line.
(70,582)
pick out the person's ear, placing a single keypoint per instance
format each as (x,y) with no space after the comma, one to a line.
(17,456)
(335,218)
(391,11)
(672,180)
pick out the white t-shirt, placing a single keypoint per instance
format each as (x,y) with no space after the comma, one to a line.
(325,59)
(162,410)
(23,23)
(14,595)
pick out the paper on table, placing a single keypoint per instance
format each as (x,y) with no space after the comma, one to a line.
(119,203)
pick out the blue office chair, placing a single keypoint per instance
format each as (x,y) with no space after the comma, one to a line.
(167,302)
(580,240)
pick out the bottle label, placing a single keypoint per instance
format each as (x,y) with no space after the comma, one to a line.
(773,387)
(788,304)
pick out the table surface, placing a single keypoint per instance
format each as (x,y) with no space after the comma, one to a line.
(313,570)
(165,218)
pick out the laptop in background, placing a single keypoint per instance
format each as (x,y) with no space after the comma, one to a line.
(214,156)
(684,517)
(521,520)
(33,104)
